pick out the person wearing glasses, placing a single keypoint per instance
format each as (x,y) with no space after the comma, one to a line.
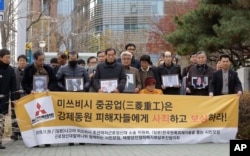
(130,47)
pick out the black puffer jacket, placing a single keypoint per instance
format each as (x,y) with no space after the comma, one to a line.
(7,86)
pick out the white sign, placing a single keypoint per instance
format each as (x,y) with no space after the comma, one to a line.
(1,16)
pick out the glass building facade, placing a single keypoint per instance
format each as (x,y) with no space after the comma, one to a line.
(64,11)
(126,20)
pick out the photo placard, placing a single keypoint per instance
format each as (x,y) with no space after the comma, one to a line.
(170,80)
(74,84)
(199,82)
(108,85)
(130,83)
(40,83)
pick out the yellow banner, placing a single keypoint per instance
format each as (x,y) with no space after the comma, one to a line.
(63,117)
(95,110)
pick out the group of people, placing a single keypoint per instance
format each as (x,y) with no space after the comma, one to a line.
(107,74)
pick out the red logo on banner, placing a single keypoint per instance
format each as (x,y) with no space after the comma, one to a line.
(38,106)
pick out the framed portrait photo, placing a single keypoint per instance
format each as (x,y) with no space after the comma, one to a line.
(74,84)
(199,82)
(108,85)
(40,83)
(130,83)
(170,80)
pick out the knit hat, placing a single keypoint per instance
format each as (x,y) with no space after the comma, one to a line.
(150,81)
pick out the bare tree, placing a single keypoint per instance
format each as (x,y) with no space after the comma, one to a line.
(8,25)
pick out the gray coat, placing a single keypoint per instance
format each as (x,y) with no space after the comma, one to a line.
(78,71)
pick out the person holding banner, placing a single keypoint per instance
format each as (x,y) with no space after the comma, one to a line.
(7,86)
(73,70)
(225,80)
(38,68)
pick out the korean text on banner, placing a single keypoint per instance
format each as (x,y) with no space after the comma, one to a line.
(56,117)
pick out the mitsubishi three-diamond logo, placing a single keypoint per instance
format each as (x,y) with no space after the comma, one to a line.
(40,110)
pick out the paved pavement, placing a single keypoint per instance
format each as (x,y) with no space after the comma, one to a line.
(17,148)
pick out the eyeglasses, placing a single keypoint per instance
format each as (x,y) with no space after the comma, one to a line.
(131,49)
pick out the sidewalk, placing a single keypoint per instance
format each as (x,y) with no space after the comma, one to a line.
(17,148)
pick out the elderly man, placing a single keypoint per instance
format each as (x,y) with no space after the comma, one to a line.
(201,69)
(133,83)
(109,70)
(130,47)
(169,70)
(38,68)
